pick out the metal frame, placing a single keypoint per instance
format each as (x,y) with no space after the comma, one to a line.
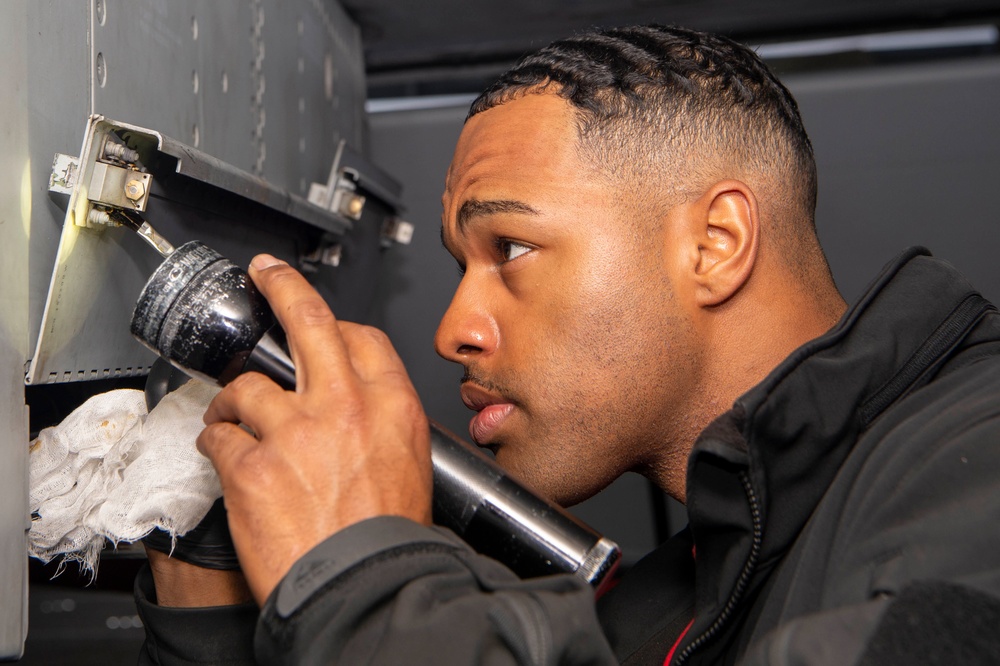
(264,91)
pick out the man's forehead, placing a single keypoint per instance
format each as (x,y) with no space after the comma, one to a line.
(535,129)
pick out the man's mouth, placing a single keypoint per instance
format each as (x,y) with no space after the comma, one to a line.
(492,410)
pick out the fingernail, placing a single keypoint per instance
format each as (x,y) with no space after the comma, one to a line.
(263,261)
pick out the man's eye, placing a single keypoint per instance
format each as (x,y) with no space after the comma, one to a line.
(511,250)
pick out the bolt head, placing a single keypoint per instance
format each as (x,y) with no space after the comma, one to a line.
(134,189)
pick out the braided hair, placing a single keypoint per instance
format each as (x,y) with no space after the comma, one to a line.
(695,105)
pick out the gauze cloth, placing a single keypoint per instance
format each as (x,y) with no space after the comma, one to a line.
(112,471)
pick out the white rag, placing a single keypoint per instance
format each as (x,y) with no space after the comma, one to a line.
(112,471)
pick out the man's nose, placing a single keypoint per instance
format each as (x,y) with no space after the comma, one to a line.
(468,329)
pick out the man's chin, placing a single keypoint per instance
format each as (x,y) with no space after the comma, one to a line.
(527,475)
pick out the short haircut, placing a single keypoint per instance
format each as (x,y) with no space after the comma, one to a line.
(694,105)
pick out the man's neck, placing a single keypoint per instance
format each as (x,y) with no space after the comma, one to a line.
(746,339)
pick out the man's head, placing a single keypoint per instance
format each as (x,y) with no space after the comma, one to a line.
(683,108)
(609,201)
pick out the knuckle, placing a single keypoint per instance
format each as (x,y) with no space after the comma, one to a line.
(207,438)
(376,335)
(213,440)
(369,335)
(312,312)
(248,383)
(281,275)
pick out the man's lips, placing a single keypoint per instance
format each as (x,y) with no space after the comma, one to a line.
(491,410)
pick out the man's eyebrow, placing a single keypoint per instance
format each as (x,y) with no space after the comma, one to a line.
(474,208)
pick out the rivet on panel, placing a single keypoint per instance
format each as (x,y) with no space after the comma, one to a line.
(102,70)
(100,10)
(328,75)
(195,135)
(194,28)
(194,81)
(225,82)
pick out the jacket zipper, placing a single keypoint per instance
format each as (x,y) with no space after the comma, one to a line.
(741,583)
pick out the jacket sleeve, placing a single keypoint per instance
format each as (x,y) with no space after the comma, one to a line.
(221,635)
(390,591)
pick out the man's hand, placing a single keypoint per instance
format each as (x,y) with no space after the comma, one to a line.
(350,443)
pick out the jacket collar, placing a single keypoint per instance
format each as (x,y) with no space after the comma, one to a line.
(786,438)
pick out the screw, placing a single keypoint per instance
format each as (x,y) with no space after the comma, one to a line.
(355,205)
(95,217)
(134,189)
(119,151)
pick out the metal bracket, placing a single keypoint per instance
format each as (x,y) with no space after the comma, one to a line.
(64,172)
(358,190)
(119,187)
(114,179)
(122,167)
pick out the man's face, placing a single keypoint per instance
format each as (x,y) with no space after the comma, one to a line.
(576,349)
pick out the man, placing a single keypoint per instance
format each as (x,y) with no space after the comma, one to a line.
(642,290)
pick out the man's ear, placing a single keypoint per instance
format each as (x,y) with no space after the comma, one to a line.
(728,235)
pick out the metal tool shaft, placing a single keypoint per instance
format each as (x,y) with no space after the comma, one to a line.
(136,223)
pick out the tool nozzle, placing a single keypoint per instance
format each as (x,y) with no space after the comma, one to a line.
(136,223)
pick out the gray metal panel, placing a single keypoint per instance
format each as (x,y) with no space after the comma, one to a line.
(84,331)
(150,58)
(15,212)
(148,55)
(213,75)
(228,78)
(58,99)
(224,81)
(83,334)
(313,78)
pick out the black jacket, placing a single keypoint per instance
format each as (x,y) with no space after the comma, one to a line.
(847,504)
(844,511)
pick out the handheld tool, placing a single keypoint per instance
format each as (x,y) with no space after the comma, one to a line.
(203,314)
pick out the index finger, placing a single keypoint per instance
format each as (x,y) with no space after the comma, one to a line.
(314,339)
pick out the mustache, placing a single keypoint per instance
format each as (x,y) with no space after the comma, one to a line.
(472,376)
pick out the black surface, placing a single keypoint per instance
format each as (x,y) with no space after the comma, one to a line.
(75,621)
(49,404)
(408,44)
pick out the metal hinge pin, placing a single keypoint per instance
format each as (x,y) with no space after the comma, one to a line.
(121,152)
